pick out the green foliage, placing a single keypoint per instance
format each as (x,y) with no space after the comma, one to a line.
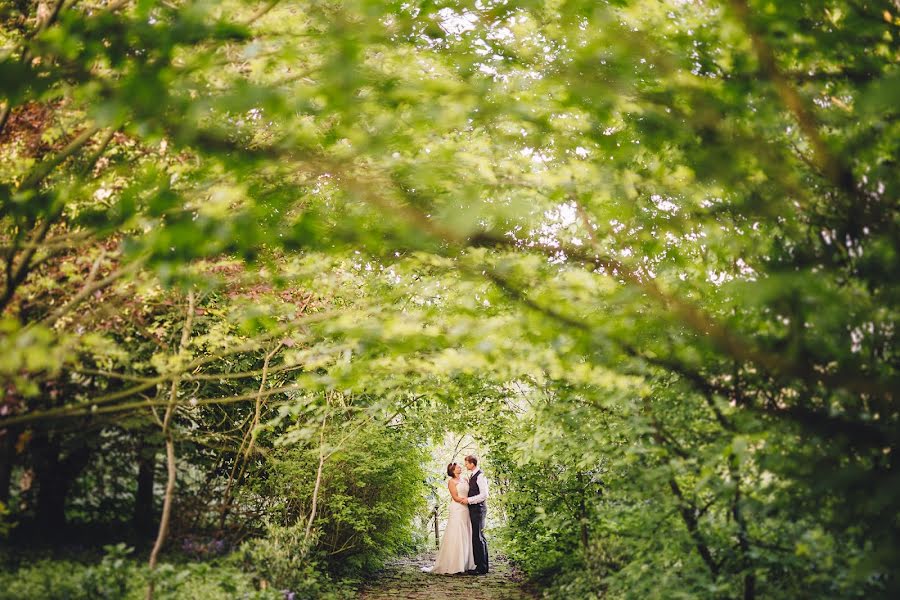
(5,525)
(118,577)
(205,581)
(109,579)
(646,250)
(45,579)
(620,516)
(371,490)
(288,561)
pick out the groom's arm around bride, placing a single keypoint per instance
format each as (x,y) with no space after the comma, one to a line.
(482,496)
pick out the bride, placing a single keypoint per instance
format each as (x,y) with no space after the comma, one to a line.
(455,555)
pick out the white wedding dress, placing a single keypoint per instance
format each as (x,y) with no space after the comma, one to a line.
(455,555)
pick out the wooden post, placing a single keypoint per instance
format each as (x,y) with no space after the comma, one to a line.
(437,535)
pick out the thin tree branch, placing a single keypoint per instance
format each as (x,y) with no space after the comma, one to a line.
(89,288)
(15,278)
(189,376)
(90,409)
(259,401)
(322,458)
(42,169)
(242,456)
(170,451)
(151,382)
(828,162)
(261,12)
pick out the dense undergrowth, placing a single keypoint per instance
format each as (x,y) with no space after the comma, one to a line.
(366,512)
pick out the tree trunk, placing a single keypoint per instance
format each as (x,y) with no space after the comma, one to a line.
(689,515)
(55,476)
(583,513)
(7,453)
(142,518)
(50,501)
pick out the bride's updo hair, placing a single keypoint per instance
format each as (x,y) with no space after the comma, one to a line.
(450,468)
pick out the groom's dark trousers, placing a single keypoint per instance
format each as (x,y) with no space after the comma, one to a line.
(478,513)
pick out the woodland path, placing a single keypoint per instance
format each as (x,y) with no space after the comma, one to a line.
(403,578)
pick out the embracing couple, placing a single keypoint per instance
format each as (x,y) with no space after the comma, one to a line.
(464,549)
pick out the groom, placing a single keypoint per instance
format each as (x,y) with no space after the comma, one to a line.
(478,493)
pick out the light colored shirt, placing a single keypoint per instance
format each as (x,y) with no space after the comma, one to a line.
(482,494)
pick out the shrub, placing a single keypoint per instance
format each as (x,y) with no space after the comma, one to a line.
(284,560)
(117,577)
(43,580)
(5,524)
(367,502)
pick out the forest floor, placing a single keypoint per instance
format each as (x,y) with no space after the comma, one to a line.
(403,578)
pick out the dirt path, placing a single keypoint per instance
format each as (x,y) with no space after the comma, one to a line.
(404,579)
